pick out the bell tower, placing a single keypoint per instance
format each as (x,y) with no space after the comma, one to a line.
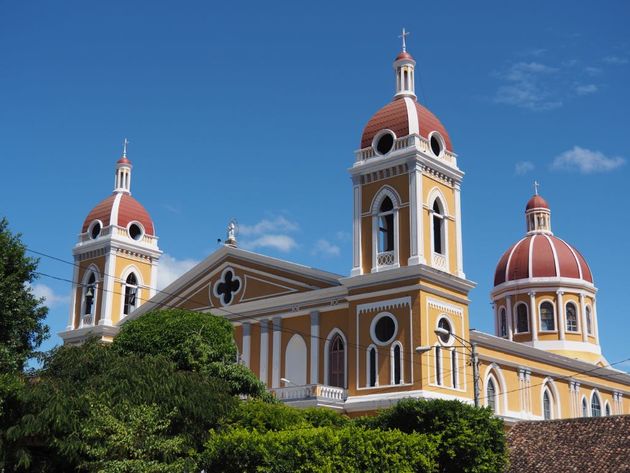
(406,186)
(116,261)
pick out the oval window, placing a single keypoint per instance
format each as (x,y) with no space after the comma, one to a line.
(385,143)
(444,325)
(96,230)
(384,329)
(436,145)
(135,231)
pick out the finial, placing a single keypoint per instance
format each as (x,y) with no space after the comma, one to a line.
(125,143)
(404,39)
(536,185)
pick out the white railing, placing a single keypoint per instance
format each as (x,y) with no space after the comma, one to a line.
(87,320)
(439,261)
(310,391)
(405,142)
(386,258)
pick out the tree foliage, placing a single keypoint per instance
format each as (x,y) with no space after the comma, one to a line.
(470,439)
(22,328)
(194,341)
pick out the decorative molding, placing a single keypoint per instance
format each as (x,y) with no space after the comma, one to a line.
(384,305)
(445,307)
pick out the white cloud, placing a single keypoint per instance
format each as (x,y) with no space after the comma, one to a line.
(283,243)
(586,161)
(171,268)
(616,60)
(586,89)
(592,71)
(523,167)
(325,248)
(278,224)
(343,236)
(51,298)
(524,87)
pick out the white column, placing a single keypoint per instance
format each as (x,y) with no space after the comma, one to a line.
(315,347)
(416,227)
(533,311)
(509,317)
(561,313)
(154,273)
(109,288)
(75,298)
(247,343)
(583,318)
(458,231)
(277,337)
(264,351)
(595,321)
(521,390)
(356,228)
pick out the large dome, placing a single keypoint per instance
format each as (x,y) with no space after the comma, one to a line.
(541,256)
(120,209)
(404,116)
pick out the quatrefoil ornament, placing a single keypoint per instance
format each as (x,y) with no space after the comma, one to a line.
(227,287)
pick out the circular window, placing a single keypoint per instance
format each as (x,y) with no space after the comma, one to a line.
(384,328)
(384,143)
(445,325)
(436,144)
(135,231)
(95,229)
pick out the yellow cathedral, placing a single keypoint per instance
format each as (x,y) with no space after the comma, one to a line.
(398,325)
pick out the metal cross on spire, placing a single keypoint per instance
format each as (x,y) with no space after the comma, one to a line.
(536,186)
(125,143)
(404,39)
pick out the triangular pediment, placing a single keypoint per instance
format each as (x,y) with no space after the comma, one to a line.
(231,276)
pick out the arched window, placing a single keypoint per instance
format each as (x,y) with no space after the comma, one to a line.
(571,311)
(397,364)
(372,368)
(337,359)
(547,412)
(596,406)
(491,395)
(454,368)
(502,323)
(547,318)
(89,297)
(131,294)
(607,409)
(522,319)
(589,322)
(438,228)
(584,407)
(386,226)
(438,366)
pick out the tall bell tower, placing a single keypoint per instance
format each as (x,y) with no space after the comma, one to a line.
(116,260)
(406,186)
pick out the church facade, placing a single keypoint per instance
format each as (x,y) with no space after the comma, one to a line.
(398,325)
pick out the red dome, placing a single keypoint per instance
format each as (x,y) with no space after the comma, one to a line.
(404,116)
(536,202)
(120,209)
(541,256)
(123,160)
(404,55)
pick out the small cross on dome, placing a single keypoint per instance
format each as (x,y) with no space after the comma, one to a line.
(125,143)
(404,39)
(536,186)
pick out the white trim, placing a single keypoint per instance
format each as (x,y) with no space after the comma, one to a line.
(73,306)
(91,227)
(122,282)
(377,200)
(113,217)
(564,345)
(441,142)
(555,315)
(416,217)
(375,320)
(412,116)
(384,305)
(530,257)
(495,372)
(588,407)
(507,265)
(595,392)
(357,264)
(458,232)
(246,277)
(378,136)
(549,385)
(607,411)
(329,338)
(392,382)
(445,307)
(577,260)
(263,368)
(451,325)
(91,269)
(577,317)
(276,351)
(545,283)
(221,280)
(247,343)
(140,226)
(555,254)
(527,312)
(369,402)
(314,347)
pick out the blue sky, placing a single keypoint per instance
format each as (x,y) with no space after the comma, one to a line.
(253,110)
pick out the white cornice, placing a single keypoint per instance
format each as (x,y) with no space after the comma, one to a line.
(80,335)
(541,283)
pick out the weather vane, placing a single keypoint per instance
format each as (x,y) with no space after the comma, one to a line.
(404,39)
(125,143)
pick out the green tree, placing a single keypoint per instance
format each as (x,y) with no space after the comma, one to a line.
(470,439)
(85,385)
(22,328)
(194,341)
